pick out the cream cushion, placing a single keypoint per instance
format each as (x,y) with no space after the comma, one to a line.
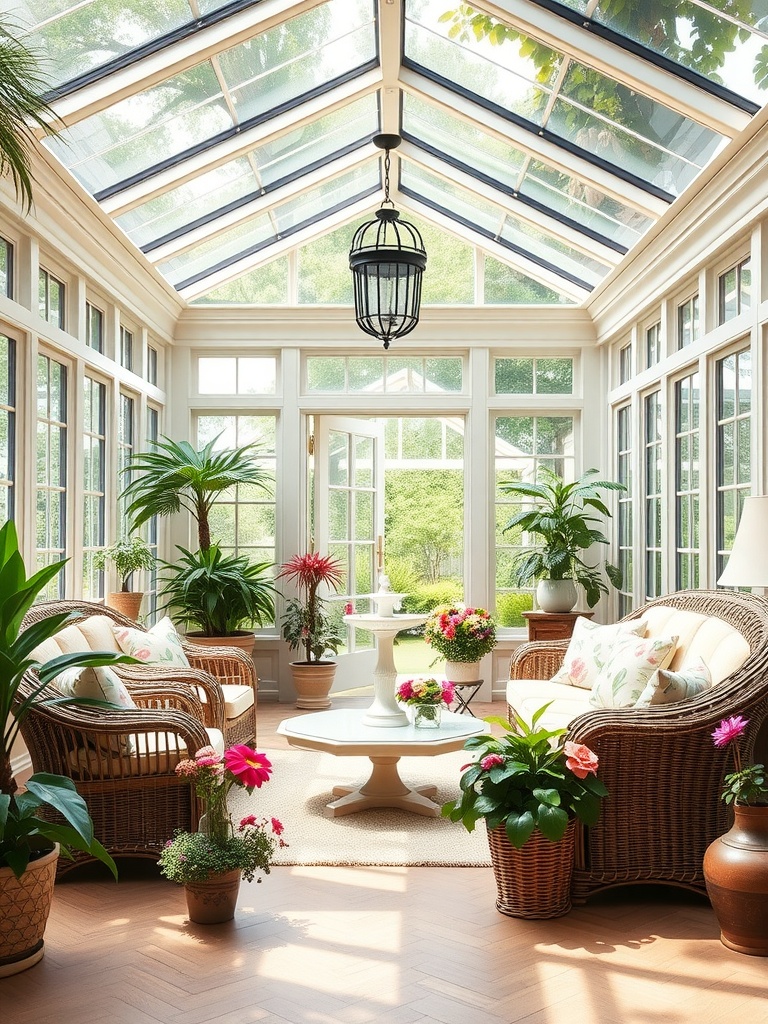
(237,699)
(666,687)
(98,683)
(589,648)
(526,696)
(159,645)
(624,676)
(152,754)
(89,634)
(722,647)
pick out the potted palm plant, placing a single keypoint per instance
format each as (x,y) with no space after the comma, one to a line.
(307,627)
(562,515)
(128,555)
(49,818)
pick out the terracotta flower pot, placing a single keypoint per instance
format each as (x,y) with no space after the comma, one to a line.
(243,640)
(534,881)
(24,907)
(127,602)
(313,681)
(214,900)
(736,874)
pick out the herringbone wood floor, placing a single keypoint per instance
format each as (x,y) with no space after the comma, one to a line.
(395,945)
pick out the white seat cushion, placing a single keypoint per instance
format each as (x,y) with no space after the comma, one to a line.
(237,699)
(153,753)
(526,696)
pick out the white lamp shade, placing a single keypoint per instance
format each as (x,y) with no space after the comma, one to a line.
(748,561)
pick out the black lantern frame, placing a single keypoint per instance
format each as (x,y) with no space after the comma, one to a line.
(387,260)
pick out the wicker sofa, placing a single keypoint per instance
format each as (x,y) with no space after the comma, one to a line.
(662,771)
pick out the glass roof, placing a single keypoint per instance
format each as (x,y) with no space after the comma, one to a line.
(552,134)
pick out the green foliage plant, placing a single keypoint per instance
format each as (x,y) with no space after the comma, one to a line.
(219,594)
(24,833)
(128,555)
(306,625)
(527,779)
(562,516)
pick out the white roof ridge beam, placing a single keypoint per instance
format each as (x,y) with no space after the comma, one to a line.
(262,204)
(626,67)
(535,145)
(390,34)
(548,224)
(282,245)
(171,60)
(500,252)
(239,143)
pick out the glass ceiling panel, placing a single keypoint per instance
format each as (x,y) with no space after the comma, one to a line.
(192,108)
(543,88)
(565,195)
(543,249)
(287,218)
(726,50)
(247,176)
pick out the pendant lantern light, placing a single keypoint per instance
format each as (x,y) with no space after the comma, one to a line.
(387,260)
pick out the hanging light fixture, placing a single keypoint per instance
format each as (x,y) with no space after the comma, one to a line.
(387,260)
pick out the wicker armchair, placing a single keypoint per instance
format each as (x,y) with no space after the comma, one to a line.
(211,668)
(663,774)
(135,801)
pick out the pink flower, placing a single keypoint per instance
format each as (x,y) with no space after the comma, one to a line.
(143,654)
(249,819)
(580,759)
(729,730)
(405,690)
(277,827)
(578,670)
(449,693)
(491,761)
(249,767)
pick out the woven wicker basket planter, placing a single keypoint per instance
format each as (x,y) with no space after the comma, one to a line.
(24,907)
(534,881)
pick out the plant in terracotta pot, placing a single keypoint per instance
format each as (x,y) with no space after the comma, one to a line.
(210,863)
(530,787)
(307,627)
(736,864)
(49,817)
(462,636)
(563,516)
(128,555)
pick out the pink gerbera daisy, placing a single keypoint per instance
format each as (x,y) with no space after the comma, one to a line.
(250,768)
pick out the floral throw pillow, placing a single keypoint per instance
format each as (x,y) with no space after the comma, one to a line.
(158,645)
(665,687)
(98,683)
(625,674)
(589,648)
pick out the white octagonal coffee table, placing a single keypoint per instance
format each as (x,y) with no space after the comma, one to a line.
(343,732)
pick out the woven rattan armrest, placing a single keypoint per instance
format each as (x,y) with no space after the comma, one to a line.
(539,659)
(159,676)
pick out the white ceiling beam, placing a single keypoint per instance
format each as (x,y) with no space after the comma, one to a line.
(262,204)
(499,252)
(614,61)
(536,146)
(242,142)
(390,34)
(283,245)
(541,221)
(173,59)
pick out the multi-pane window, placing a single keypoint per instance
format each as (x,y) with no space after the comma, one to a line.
(653,479)
(377,375)
(688,322)
(625,364)
(51,298)
(126,348)
(734,423)
(126,434)
(51,469)
(6,267)
(625,500)
(7,425)
(237,375)
(523,444)
(534,376)
(152,529)
(94,327)
(687,502)
(94,483)
(734,291)
(151,364)
(653,344)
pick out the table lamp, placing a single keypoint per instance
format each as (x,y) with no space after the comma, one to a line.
(748,561)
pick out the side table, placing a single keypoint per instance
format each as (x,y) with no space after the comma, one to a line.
(552,625)
(463,702)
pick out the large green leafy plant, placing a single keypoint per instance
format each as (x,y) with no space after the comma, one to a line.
(527,779)
(563,516)
(24,833)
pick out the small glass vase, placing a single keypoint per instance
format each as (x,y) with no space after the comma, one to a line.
(427,716)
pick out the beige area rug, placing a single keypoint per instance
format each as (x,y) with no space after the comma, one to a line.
(302,785)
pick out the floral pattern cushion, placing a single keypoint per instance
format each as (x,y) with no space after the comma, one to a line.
(98,683)
(158,645)
(591,645)
(665,687)
(625,674)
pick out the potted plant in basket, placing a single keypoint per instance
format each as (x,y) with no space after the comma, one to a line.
(462,636)
(31,841)
(210,863)
(530,787)
(426,697)
(562,515)
(307,627)
(128,555)
(736,864)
